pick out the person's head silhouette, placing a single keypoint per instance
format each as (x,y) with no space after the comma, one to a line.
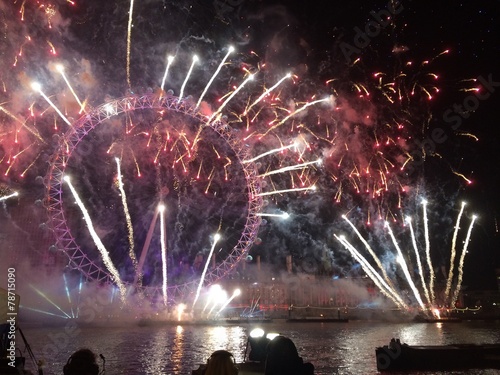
(81,362)
(221,362)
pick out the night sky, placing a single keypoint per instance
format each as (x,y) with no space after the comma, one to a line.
(325,44)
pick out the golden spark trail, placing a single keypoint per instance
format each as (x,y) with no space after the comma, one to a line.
(404,266)
(128,220)
(23,123)
(419,263)
(195,59)
(462,176)
(285,191)
(29,166)
(100,246)
(129,41)
(461,263)
(432,277)
(38,88)
(230,50)
(453,253)
(163,242)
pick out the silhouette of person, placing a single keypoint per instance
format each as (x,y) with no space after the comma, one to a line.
(283,359)
(221,362)
(81,362)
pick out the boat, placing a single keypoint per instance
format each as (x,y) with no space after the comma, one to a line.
(399,356)
(437,319)
(318,320)
(443,320)
(249,320)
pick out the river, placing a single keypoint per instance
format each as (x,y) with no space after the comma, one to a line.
(333,348)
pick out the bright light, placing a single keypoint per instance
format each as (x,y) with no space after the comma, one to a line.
(257,332)
(66,178)
(109,109)
(36,86)
(216,237)
(161,207)
(59,68)
(237,292)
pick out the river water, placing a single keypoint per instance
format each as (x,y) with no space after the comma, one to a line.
(333,348)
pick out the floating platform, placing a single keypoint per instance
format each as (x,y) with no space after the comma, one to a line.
(317,320)
(444,319)
(403,357)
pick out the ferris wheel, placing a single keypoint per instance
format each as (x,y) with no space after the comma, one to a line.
(129,156)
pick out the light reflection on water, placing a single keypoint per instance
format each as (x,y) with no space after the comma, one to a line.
(334,348)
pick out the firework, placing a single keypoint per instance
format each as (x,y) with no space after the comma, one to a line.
(235,294)
(427,283)
(5,197)
(37,87)
(461,263)
(163,242)
(202,278)
(280,137)
(104,252)
(128,220)
(453,253)
(230,50)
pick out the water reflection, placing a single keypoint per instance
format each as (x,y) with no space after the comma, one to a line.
(347,349)
(154,355)
(420,334)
